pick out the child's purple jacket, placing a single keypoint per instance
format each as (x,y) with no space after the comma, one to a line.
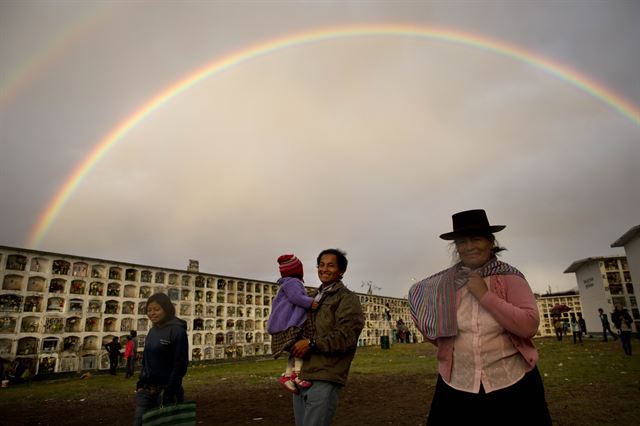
(289,307)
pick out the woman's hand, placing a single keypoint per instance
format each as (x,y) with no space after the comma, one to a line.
(300,348)
(315,304)
(476,285)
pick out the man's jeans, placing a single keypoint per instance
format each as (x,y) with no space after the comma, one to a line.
(145,400)
(316,406)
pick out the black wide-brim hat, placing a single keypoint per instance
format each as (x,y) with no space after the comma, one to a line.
(471,222)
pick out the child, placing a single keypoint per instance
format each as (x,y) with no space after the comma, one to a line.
(288,314)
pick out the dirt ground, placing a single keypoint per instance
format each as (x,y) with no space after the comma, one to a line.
(371,400)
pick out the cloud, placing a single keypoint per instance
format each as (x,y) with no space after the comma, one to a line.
(368,144)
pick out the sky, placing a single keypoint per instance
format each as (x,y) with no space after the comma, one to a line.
(368,143)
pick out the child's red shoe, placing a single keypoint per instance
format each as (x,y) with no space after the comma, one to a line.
(288,384)
(304,384)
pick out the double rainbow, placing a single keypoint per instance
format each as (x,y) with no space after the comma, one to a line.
(563,72)
(41,59)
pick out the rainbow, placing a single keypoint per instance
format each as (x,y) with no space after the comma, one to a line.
(563,72)
(53,50)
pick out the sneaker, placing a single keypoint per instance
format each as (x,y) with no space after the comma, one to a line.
(304,384)
(287,383)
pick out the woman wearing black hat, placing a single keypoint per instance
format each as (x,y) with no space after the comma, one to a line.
(481,314)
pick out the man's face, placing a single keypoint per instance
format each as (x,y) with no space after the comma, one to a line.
(328,270)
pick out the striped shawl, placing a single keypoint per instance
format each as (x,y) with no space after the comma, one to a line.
(432,301)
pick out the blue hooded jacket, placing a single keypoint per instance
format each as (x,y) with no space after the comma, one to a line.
(166,357)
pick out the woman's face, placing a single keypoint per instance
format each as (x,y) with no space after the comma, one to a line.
(474,251)
(328,270)
(155,313)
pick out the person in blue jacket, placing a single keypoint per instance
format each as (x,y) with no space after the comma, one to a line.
(164,359)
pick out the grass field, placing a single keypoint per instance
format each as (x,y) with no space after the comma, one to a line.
(589,384)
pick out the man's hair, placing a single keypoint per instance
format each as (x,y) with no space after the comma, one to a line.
(341,257)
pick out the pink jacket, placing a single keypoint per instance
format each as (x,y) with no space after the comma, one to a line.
(511,302)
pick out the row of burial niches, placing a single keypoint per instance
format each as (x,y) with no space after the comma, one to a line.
(116,273)
(242,305)
(53,354)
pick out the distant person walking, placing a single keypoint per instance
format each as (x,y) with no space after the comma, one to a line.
(622,320)
(113,348)
(577,331)
(557,326)
(130,352)
(606,326)
(401,328)
(582,323)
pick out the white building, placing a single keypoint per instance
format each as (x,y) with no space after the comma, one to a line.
(546,302)
(602,282)
(630,241)
(57,311)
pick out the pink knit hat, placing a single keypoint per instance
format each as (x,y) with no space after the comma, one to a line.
(290,266)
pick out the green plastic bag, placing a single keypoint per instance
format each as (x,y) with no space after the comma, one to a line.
(183,414)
